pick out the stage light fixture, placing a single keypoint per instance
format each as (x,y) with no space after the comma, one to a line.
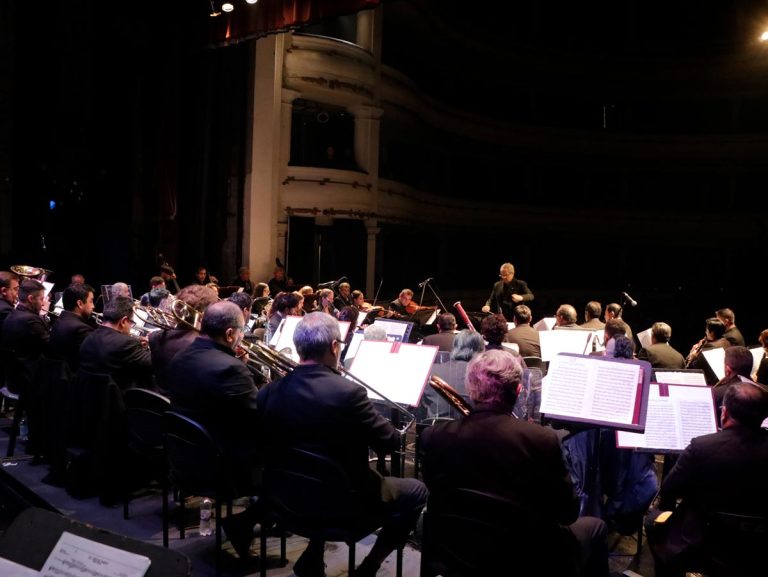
(227,6)
(764,36)
(213,13)
(251,1)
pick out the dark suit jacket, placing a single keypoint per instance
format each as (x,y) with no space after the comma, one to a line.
(108,351)
(163,346)
(68,333)
(442,340)
(501,301)
(315,406)
(734,336)
(724,471)
(701,363)
(25,333)
(5,310)
(489,450)
(662,356)
(527,339)
(207,383)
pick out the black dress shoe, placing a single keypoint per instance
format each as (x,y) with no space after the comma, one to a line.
(240,533)
(309,565)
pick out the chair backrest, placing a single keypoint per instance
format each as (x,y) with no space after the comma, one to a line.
(195,462)
(469,532)
(97,412)
(536,363)
(312,496)
(51,398)
(733,544)
(144,411)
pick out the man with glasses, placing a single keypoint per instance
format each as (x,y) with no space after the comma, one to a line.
(207,383)
(112,350)
(507,293)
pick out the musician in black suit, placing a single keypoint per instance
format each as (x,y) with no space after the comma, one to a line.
(524,335)
(9,294)
(344,298)
(660,353)
(111,349)
(507,293)
(25,332)
(490,450)
(732,333)
(721,472)
(314,405)
(209,384)
(446,331)
(74,324)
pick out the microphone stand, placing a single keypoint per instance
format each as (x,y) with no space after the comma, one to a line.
(437,298)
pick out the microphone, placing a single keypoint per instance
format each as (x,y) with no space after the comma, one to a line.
(426,282)
(629,300)
(331,283)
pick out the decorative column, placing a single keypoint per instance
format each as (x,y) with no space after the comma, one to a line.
(372,228)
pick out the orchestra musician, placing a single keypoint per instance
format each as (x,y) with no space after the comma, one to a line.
(9,294)
(25,332)
(314,405)
(714,332)
(344,298)
(325,302)
(74,324)
(490,450)
(507,293)
(111,349)
(446,331)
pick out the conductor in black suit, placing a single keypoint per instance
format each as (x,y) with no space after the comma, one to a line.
(507,293)
(74,324)
(314,405)
(112,350)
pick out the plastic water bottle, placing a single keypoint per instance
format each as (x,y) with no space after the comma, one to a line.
(205,517)
(23,429)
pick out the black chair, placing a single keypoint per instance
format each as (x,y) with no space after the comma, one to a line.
(197,466)
(34,532)
(311,495)
(733,545)
(20,373)
(469,533)
(536,363)
(144,410)
(51,397)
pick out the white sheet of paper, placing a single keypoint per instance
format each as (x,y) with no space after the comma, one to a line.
(672,421)
(681,378)
(9,568)
(48,287)
(400,376)
(282,340)
(645,338)
(545,324)
(511,346)
(716,360)
(591,388)
(757,356)
(566,341)
(75,556)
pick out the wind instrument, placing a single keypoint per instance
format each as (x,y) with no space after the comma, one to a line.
(450,394)
(464,316)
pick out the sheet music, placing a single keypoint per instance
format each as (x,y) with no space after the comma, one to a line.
(592,389)
(716,360)
(645,338)
(511,346)
(577,341)
(674,419)
(75,556)
(10,568)
(399,371)
(681,377)
(282,340)
(757,355)
(545,324)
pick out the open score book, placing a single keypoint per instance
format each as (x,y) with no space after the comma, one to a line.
(596,390)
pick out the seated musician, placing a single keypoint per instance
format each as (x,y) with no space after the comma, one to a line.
(524,335)
(285,304)
(714,338)
(315,406)
(154,283)
(164,345)
(207,383)
(720,472)
(494,329)
(466,344)
(344,298)
(446,330)
(25,332)
(74,324)
(490,450)
(324,302)
(660,353)
(399,307)
(111,349)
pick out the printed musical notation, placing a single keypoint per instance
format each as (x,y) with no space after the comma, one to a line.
(75,556)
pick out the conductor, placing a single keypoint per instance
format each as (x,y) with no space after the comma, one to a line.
(507,293)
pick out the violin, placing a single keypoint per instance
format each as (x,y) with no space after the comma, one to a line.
(412,308)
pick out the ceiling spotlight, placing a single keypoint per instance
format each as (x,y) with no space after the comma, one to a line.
(227,6)
(251,1)
(764,36)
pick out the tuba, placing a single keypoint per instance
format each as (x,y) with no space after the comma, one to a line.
(30,272)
